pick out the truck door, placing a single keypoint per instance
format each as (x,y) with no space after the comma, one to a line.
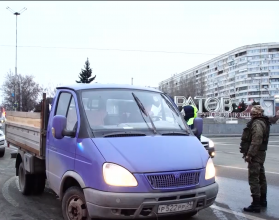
(61,152)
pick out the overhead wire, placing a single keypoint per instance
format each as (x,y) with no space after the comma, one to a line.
(108,49)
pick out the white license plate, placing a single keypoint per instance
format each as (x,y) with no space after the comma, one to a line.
(179,207)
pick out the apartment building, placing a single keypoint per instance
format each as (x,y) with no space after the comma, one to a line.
(246,73)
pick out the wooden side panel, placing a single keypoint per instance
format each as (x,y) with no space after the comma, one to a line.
(29,119)
(23,138)
(35,115)
(23,129)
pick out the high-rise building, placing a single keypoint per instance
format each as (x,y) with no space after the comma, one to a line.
(246,73)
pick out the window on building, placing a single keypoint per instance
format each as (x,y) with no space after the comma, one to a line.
(273,50)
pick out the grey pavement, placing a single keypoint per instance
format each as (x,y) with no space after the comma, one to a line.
(231,172)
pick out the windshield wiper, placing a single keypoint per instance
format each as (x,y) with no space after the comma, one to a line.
(124,134)
(143,110)
(175,133)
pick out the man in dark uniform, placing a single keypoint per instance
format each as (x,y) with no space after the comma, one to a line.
(253,145)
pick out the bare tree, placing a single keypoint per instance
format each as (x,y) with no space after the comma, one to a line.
(50,89)
(183,89)
(172,87)
(192,86)
(20,92)
(164,87)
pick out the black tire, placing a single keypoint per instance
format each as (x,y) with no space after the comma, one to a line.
(74,204)
(2,152)
(190,214)
(24,180)
(39,182)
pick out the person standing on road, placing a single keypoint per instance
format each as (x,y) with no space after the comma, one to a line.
(190,112)
(253,145)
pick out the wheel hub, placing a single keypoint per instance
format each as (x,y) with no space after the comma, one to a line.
(76,209)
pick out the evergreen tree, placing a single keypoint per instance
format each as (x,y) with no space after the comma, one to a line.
(86,73)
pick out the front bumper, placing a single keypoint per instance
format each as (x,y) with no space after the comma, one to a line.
(112,205)
(2,142)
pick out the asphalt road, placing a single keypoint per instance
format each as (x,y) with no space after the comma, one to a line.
(231,171)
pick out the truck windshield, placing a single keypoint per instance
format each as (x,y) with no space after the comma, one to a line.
(116,109)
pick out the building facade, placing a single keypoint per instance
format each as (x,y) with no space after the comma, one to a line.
(246,73)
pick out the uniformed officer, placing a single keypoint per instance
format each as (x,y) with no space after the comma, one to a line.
(253,145)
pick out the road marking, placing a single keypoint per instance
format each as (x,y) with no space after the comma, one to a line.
(216,143)
(5,192)
(272,145)
(17,184)
(239,168)
(226,152)
(219,215)
(236,213)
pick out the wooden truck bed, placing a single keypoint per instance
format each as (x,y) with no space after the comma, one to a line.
(26,130)
(23,130)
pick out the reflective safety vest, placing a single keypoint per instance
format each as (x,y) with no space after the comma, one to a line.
(191,120)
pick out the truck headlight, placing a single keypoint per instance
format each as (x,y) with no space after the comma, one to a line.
(116,175)
(211,143)
(209,170)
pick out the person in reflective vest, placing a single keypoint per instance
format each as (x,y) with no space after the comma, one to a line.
(190,113)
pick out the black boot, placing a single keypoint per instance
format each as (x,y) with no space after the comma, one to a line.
(263,200)
(255,205)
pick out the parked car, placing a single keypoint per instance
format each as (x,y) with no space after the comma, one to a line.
(208,145)
(2,142)
(106,157)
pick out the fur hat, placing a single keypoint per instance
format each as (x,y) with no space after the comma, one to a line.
(257,110)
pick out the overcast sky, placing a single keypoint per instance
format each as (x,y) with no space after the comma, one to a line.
(201,30)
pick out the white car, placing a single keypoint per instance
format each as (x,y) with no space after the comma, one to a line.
(208,145)
(2,142)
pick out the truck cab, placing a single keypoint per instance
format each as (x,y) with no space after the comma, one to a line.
(106,154)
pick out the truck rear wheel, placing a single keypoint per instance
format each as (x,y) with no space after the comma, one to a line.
(39,183)
(74,204)
(2,152)
(25,180)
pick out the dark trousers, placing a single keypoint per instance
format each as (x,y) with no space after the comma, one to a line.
(257,179)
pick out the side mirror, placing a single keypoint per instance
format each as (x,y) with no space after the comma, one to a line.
(198,127)
(195,131)
(59,127)
(68,133)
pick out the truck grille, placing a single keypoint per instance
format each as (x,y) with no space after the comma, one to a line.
(174,179)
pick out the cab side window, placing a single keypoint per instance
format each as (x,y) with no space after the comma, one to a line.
(67,107)
(72,116)
(63,104)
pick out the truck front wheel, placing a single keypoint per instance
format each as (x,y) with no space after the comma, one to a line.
(25,180)
(74,204)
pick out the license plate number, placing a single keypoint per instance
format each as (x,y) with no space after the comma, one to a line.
(175,207)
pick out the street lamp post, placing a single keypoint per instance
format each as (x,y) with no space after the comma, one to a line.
(16,14)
